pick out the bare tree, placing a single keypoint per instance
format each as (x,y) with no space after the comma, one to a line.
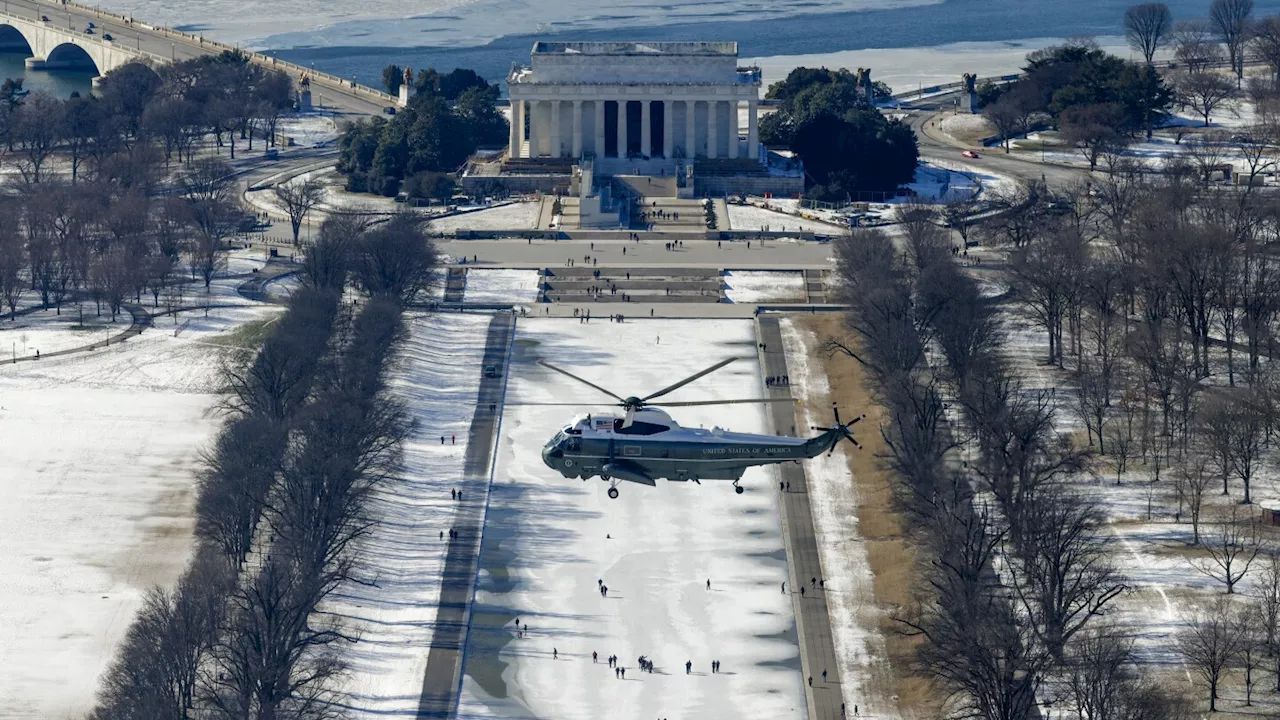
(1232,548)
(1265,41)
(1192,480)
(1104,682)
(39,123)
(1204,92)
(1267,606)
(1194,45)
(298,198)
(1231,20)
(396,260)
(1208,151)
(1147,27)
(1253,647)
(1066,576)
(1210,643)
(1045,276)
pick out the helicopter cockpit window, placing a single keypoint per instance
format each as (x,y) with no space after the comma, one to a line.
(638,428)
(575,445)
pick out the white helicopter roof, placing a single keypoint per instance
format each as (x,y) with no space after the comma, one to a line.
(643,420)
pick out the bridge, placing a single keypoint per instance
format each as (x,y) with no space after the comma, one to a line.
(54,35)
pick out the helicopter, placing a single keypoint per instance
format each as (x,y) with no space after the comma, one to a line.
(645,444)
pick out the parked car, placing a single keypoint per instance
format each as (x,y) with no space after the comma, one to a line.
(107,37)
(44,18)
(92,25)
(88,31)
(970,154)
(271,154)
(389,110)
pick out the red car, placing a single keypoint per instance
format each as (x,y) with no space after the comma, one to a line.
(970,154)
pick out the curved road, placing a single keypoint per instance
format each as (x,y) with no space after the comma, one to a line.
(924,115)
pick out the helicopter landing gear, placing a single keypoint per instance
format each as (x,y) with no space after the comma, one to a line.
(613,493)
(613,487)
(737,488)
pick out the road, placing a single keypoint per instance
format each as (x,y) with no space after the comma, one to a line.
(924,116)
(173,45)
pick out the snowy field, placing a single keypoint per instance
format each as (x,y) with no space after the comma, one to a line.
(514,287)
(311,129)
(437,377)
(764,287)
(752,217)
(97,474)
(279,289)
(512,216)
(548,540)
(47,331)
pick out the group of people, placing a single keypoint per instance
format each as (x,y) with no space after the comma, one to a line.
(773,380)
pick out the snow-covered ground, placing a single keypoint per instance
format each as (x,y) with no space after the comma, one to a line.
(97,478)
(938,184)
(851,603)
(965,125)
(764,287)
(437,377)
(548,540)
(309,129)
(515,287)
(282,287)
(47,331)
(752,217)
(512,216)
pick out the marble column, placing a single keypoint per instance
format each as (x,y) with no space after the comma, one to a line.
(597,109)
(753,133)
(646,132)
(557,142)
(711,129)
(668,129)
(622,128)
(577,129)
(535,134)
(733,129)
(690,134)
(513,141)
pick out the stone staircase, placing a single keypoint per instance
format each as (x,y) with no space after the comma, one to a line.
(662,212)
(581,286)
(455,286)
(815,286)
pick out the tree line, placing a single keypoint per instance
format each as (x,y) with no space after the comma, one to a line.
(846,144)
(1015,575)
(419,148)
(103,243)
(282,505)
(144,119)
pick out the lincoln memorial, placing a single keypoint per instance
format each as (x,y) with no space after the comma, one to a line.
(605,120)
(665,100)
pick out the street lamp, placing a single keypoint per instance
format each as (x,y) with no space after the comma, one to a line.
(173,52)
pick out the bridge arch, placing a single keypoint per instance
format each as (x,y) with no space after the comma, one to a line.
(13,41)
(71,56)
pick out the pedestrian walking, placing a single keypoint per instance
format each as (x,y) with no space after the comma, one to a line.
(594,658)
(441,439)
(781,486)
(801,591)
(813,582)
(441,534)
(784,588)
(615,672)
(453,439)
(624,673)
(688,666)
(459,496)
(810,681)
(824,675)
(708,583)
(555,654)
(453,493)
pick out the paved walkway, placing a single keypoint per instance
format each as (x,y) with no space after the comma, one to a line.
(141,320)
(813,625)
(441,683)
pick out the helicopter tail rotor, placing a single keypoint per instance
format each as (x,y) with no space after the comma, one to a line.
(841,429)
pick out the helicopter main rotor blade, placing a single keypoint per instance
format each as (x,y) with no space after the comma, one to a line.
(693,403)
(549,366)
(685,381)
(553,404)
